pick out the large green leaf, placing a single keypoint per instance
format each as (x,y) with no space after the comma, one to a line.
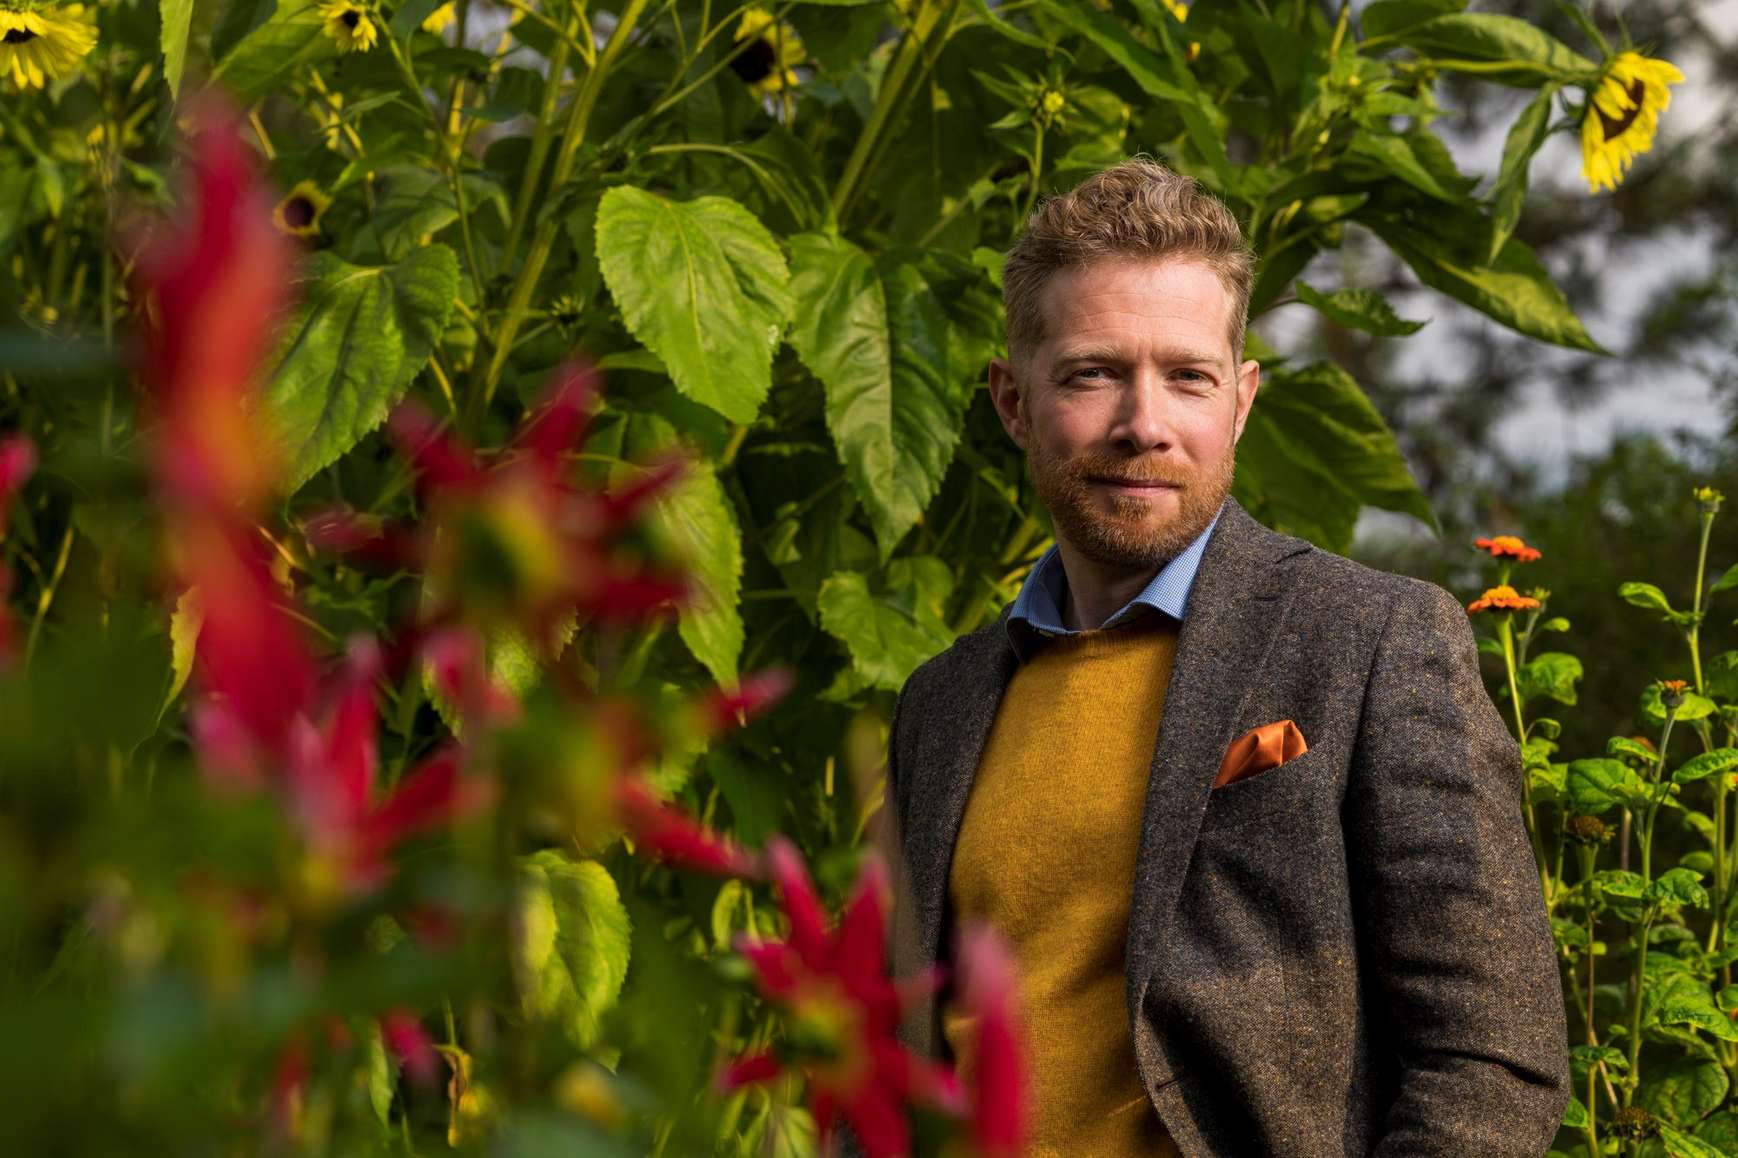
(571,942)
(703,285)
(895,396)
(1317,450)
(1535,55)
(893,627)
(1446,251)
(1399,157)
(359,336)
(271,53)
(695,521)
(1682,1089)
(1510,192)
(176,17)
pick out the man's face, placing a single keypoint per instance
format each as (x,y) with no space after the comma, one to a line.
(1130,410)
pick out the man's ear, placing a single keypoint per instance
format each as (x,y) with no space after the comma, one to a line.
(1005,393)
(1248,380)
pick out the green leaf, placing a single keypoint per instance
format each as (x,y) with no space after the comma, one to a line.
(1598,784)
(1575,1114)
(1620,883)
(1145,67)
(184,626)
(1446,251)
(176,17)
(571,943)
(1720,676)
(1672,996)
(1645,595)
(891,629)
(1550,673)
(1386,17)
(1681,1145)
(1358,309)
(1694,707)
(755,792)
(1394,155)
(1682,1089)
(1555,623)
(840,330)
(271,53)
(417,201)
(381,1076)
(1316,449)
(1624,746)
(359,336)
(1716,763)
(1510,192)
(1678,886)
(1727,581)
(695,521)
(703,285)
(1535,56)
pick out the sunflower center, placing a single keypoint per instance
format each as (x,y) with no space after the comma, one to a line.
(351,18)
(1614,129)
(299,212)
(17,36)
(755,63)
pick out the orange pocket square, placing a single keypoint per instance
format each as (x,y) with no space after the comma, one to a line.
(1259,749)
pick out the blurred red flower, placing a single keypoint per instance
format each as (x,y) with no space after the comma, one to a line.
(842,1011)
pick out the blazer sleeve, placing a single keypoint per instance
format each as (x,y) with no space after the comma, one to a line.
(1447,900)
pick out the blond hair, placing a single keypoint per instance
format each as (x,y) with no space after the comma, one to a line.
(1138,209)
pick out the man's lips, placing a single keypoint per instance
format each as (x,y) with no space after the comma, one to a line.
(1133,484)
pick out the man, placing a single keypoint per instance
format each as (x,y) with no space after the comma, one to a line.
(1242,807)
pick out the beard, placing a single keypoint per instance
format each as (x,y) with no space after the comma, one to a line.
(1132,535)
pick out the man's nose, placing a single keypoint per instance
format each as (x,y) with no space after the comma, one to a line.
(1143,419)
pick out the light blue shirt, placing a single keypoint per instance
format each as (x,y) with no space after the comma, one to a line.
(1037,611)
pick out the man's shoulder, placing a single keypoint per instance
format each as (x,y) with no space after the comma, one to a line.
(1331,580)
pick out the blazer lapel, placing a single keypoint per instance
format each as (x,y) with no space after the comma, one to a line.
(977,672)
(1235,608)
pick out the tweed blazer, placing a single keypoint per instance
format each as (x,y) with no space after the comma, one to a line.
(1345,954)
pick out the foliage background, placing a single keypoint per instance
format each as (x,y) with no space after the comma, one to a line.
(797,284)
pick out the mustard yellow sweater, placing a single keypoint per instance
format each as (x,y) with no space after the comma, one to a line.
(1046,853)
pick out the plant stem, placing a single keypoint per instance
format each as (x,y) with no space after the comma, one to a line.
(888,104)
(573,136)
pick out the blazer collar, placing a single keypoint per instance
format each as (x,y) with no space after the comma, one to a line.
(1235,607)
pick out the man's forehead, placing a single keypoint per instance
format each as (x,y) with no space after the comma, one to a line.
(1181,288)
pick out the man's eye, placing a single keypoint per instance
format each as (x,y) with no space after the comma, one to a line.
(1090,370)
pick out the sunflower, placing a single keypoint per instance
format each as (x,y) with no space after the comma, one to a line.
(437,21)
(1623,112)
(300,211)
(765,65)
(350,25)
(40,43)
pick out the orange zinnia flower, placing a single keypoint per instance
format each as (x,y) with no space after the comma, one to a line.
(1509,545)
(1673,685)
(1503,598)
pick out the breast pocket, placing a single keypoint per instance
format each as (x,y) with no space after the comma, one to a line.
(1285,795)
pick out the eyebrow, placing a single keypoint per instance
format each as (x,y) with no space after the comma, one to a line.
(1106,354)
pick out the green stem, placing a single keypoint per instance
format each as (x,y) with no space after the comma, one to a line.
(573,136)
(888,104)
(540,139)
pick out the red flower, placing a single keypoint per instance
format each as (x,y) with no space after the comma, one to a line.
(513,540)
(215,282)
(316,744)
(17,460)
(1507,545)
(842,1011)
(1000,1097)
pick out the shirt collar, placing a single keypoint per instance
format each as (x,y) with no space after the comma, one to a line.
(1037,614)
